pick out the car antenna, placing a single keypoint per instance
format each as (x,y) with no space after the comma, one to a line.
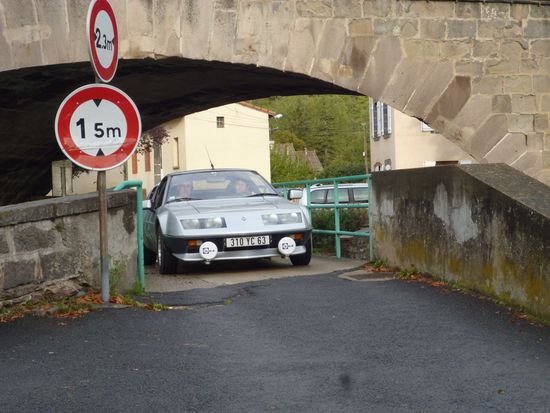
(210,160)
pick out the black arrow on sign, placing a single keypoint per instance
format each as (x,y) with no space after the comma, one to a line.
(97,102)
(100,153)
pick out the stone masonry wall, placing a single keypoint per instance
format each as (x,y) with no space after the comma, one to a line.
(48,242)
(485,226)
(478,72)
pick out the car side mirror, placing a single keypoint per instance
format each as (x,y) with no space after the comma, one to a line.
(295,193)
(146,204)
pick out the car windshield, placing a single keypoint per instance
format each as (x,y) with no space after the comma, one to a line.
(218,185)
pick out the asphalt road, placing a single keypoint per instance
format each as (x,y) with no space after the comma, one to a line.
(302,344)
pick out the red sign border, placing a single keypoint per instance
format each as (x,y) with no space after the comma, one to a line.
(84,94)
(105,74)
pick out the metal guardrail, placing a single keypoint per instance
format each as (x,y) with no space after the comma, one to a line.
(139,193)
(337,206)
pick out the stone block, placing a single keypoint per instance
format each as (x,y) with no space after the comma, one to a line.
(302,45)
(425,9)
(314,8)
(519,11)
(360,28)
(484,49)
(502,104)
(195,30)
(541,83)
(524,103)
(4,246)
(476,110)
(522,123)
(498,29)
(52,15)
(453,99)
(278,36)
(535,141)
(432,29)
(457,50)
(518,84)
(332,40)
(514,49)
(528,163)
(34,236)
(508,149)
(540,47)
(487,136)
(377,8)
(226,4)
(502,66)
(168,14)
(461,29)
(250,35)
(468,10)
(395,27)
(421,48)
(541,122)
(529,66)
(347,8)
(537,29)
(495,11)
(19,272)
(545,103)
(60,264)
(354,61)
(408,73)
(433,84)
(468,68)
(223,35)
(487,85)
(385,59)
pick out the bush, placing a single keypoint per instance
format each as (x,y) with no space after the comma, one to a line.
(350,219)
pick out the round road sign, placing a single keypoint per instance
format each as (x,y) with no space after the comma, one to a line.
(98,127)
(102,33)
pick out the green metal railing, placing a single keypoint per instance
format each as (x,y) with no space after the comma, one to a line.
(337,206)
(139,191)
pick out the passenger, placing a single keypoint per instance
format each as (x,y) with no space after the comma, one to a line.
(241,187)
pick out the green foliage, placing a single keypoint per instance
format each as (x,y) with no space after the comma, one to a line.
(116,269)
(333,125)
(336,170)
(284,169)
(285,136)
(350,219)
(405,273)
(379,263)
(138,289)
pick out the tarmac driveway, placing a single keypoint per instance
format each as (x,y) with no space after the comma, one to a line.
(300,344)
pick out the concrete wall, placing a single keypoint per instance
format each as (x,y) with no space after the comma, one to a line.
(51,241)
(485,226)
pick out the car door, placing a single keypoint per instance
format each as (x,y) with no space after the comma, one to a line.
(150,216)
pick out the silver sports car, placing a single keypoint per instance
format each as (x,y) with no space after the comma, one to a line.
(222,214)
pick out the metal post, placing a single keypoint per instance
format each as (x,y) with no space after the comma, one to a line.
(103,251)
(337,220)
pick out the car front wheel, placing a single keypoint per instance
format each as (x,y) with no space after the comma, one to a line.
(168,264)
(302,259)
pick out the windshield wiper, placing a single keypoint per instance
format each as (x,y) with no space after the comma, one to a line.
(262,194)
(182,199)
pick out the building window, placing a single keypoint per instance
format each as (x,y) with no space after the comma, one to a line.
(134,164)
(381,120)
(176,154)
(147,156)
(220,122)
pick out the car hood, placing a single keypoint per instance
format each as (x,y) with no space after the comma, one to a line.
(231,205)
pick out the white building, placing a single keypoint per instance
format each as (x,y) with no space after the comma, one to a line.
(399,141)
(230,136)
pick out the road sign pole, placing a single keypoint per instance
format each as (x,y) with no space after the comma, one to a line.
(103,250)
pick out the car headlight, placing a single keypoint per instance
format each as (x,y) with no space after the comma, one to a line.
(203,223)
(288,218)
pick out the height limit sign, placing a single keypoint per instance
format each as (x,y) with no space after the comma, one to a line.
(102,34)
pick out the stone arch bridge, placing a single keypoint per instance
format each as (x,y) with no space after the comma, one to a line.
(476,72)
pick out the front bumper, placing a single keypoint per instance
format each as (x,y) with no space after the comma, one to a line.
(179,247)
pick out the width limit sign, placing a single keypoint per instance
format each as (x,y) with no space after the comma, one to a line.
(98,127)
(102,34)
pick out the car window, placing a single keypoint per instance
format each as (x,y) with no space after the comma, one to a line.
(361,194)
(318,197)
(160,193)
(343,196)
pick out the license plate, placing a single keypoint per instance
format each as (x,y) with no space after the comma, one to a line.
(239,242)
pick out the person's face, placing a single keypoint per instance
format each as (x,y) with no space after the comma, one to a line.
(241,187)
(185,189)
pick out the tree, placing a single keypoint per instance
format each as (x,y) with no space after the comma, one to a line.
(152,138)
(285,136)
(284,169)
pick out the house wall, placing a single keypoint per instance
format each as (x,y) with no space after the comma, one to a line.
(413,147)
(242,143)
